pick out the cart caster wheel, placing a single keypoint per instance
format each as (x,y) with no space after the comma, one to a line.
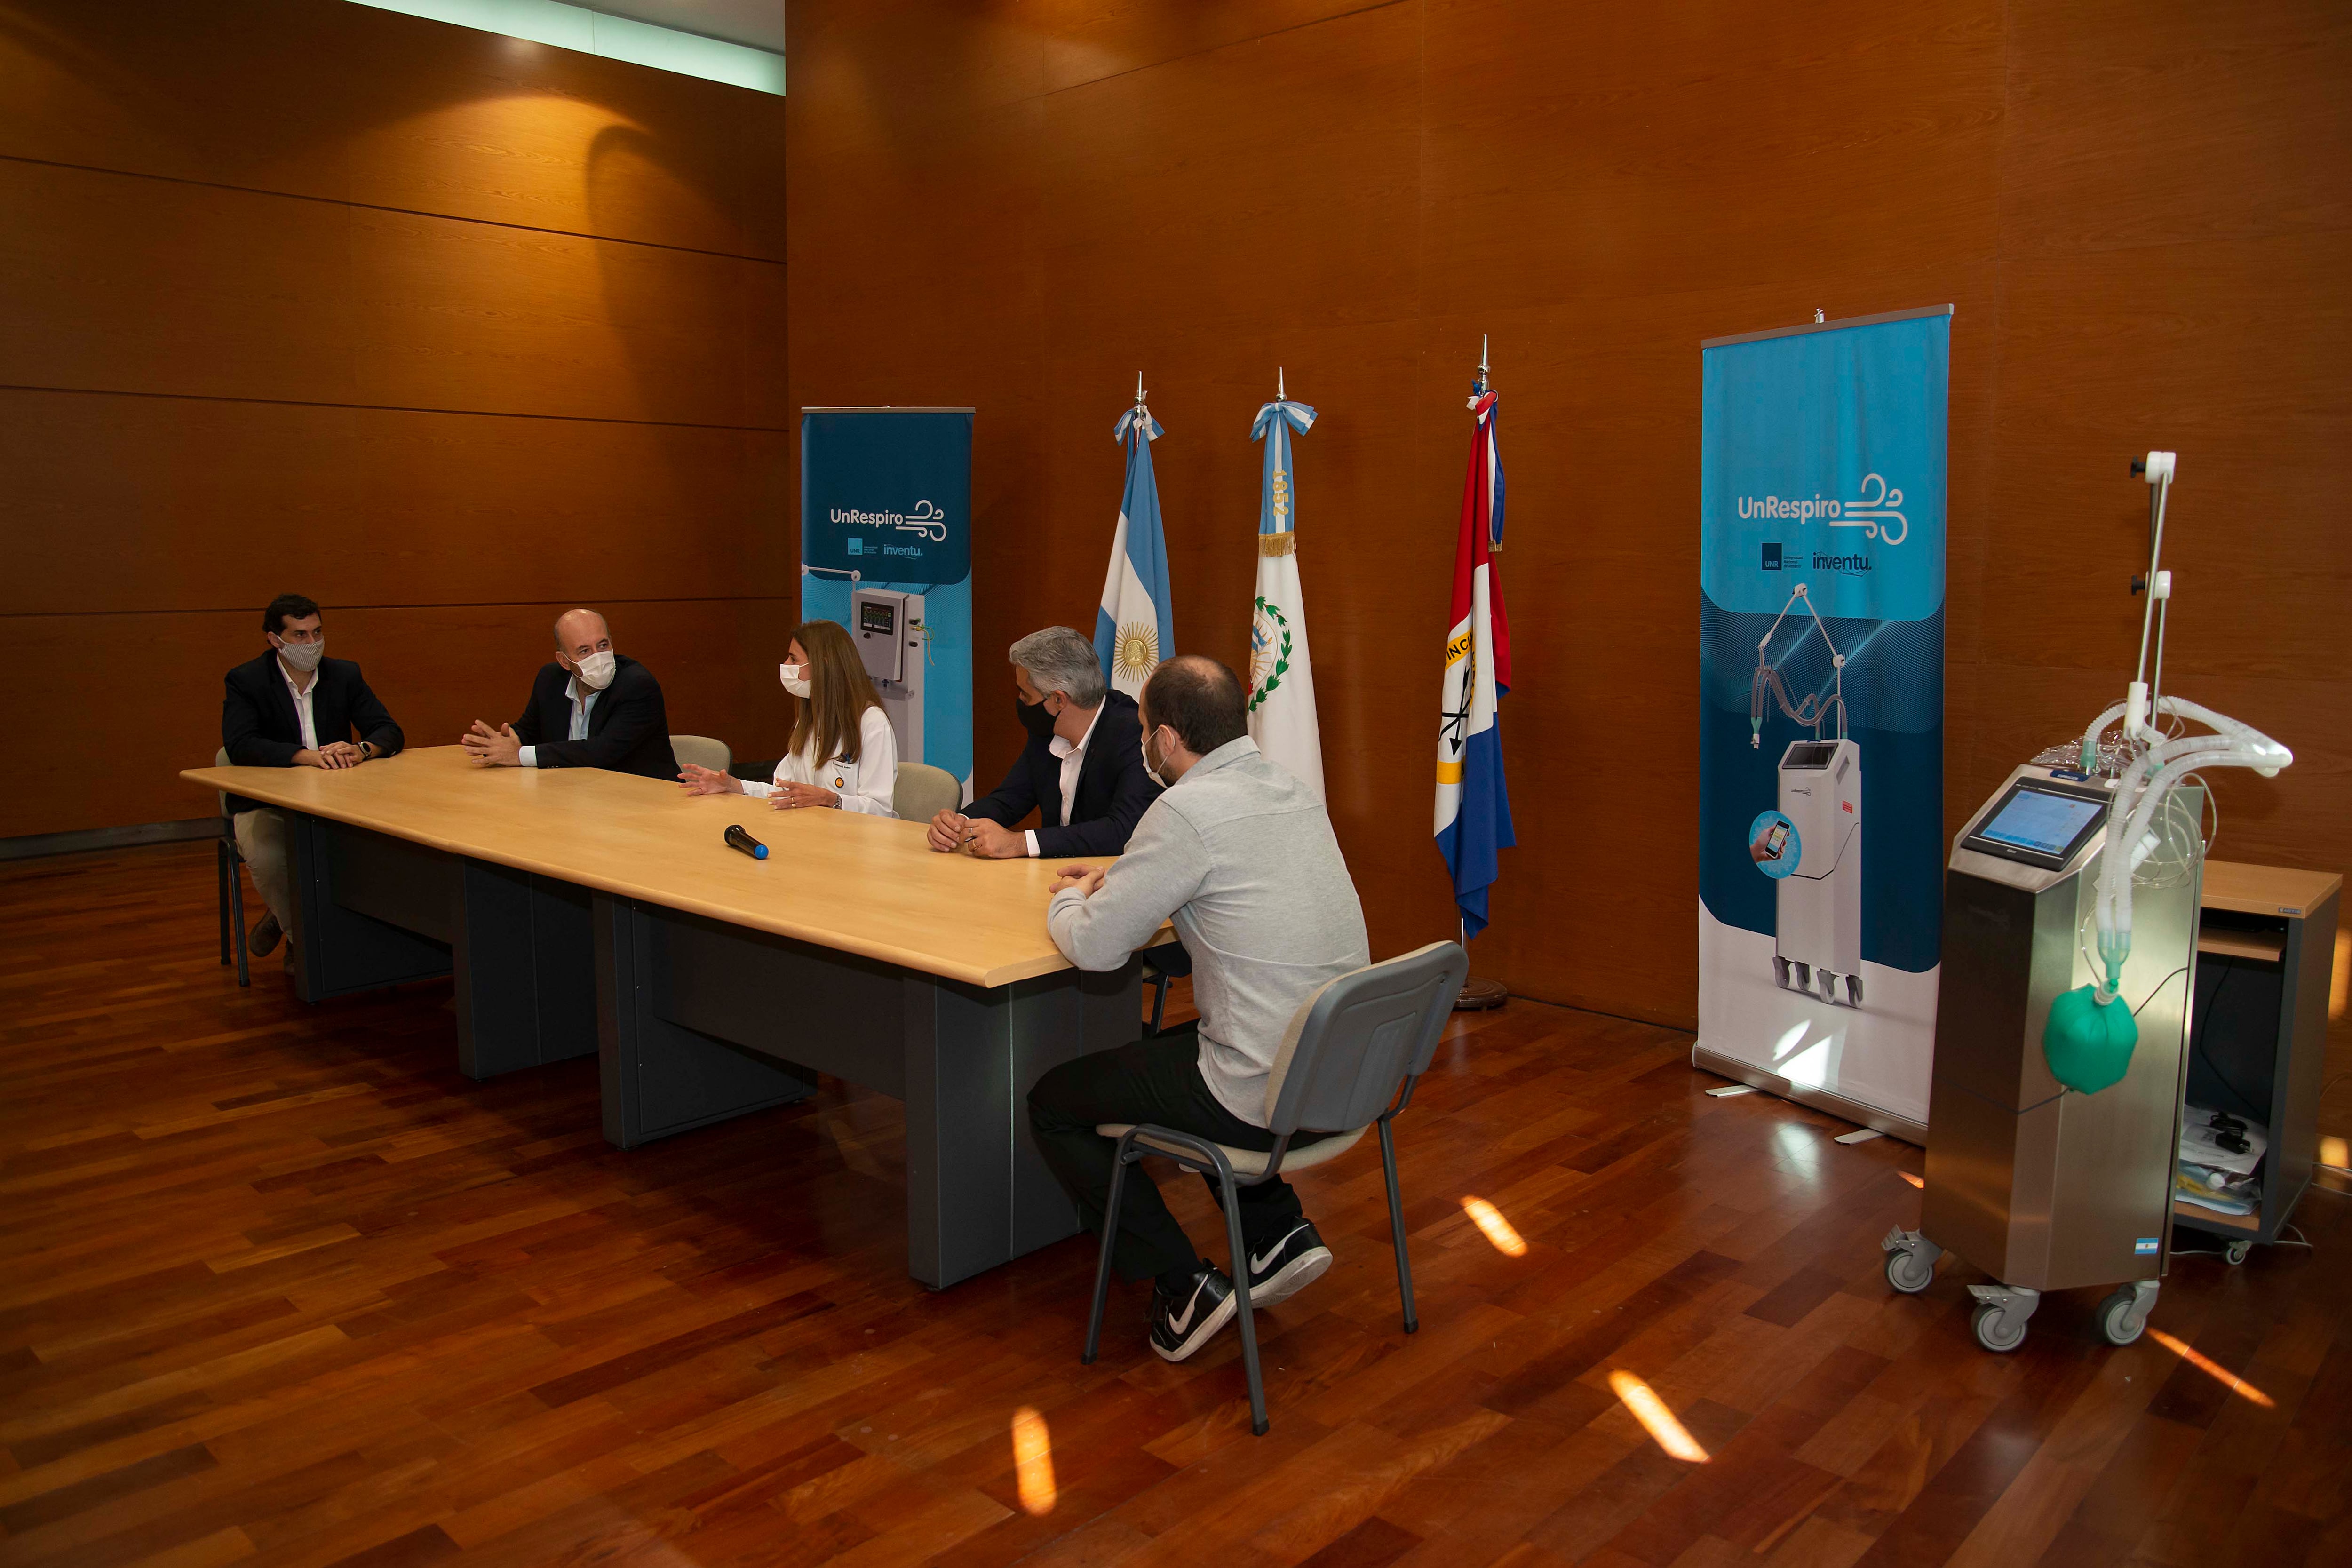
(1804,975)
(2123,1317)
(1829,986)
(1910,1261)
(1854,990)
(1995,1331)
(1909,1273)
(2237,1251)
(1781,973)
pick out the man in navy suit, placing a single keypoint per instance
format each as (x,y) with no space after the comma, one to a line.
(1082,771)
(293,706)
(589,709)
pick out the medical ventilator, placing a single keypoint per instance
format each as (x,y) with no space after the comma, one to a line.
(890,644)
(2070,949)
(1817,900)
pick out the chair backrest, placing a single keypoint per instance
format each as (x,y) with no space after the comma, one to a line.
(702,752)
(220,760)
(1356,1040)
(922,792)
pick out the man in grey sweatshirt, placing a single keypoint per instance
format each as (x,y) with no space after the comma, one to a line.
(1242,857)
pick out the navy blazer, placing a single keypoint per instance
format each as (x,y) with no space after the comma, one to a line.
(629,728)
(259,727)
(1113,793)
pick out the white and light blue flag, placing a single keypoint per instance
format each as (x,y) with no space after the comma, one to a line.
(1282,678)
(1136,628)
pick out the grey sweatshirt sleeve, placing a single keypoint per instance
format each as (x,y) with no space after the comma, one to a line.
(1163,866)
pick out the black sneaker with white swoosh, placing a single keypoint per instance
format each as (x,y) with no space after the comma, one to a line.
(1184,1321)
(1289,1266)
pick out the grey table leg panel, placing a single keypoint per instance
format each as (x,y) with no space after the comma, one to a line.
(978,1192)
(360,900)
(700,1020)
(660,1076)
(811,1007)
(526,970)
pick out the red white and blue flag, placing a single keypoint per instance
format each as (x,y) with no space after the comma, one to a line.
(1474,807)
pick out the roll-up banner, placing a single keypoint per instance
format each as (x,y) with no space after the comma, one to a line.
(1820,860)
(886,550)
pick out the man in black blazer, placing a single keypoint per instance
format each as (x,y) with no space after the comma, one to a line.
(1082,771)
(293,707)
(590,709)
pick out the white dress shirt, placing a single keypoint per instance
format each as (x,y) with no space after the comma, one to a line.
(1074,760)
(302,695)
(584,703)
(865,785)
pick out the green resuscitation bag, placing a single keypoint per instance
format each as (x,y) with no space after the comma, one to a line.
(2088,1043)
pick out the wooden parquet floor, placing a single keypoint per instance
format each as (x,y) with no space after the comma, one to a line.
(279,1287)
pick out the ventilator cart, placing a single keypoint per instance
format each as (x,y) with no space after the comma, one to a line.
(2070,949)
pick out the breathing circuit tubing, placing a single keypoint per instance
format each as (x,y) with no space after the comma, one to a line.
(2166,760)
(1813,711)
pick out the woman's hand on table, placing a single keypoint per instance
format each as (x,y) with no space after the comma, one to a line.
(707,781)
(797,796)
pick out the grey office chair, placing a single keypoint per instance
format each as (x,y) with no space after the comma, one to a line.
(1348,1062)
(922,792)
(702,752)
(232,887)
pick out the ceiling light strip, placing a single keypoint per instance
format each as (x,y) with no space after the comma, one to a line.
(590,32)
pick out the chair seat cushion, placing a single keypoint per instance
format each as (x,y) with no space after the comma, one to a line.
(1245,1162)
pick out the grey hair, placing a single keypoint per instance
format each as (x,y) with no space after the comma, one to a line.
(1059,659)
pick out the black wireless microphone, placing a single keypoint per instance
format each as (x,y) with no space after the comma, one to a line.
(739,839)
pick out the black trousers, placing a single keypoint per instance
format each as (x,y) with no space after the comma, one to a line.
(1156,1081)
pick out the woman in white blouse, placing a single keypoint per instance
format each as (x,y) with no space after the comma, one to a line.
(843,755)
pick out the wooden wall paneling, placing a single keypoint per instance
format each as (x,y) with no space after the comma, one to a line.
(489,319)
(1183,168)
(1086,43)
(155,504)
(122,701)
(420,116)
(123,284)
(2137,125)
(130,284)
(1641,171)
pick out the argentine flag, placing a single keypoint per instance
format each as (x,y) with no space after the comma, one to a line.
(1282,678)
(1136,628)
(1474,808)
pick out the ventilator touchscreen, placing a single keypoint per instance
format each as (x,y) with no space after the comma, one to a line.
(2044,823)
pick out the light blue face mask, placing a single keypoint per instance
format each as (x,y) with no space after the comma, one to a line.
(1150,771)
(302,656)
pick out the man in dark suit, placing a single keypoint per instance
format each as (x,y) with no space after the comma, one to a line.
(1082,771)
(293,707)
(590,709)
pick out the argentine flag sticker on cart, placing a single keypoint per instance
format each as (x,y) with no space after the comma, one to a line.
(2145,1247)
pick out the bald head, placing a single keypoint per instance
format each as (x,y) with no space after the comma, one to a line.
(1200,700)
(579,633)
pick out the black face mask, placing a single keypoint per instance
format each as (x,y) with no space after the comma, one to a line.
(1034,718)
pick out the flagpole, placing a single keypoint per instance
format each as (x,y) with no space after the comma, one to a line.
(1478,995)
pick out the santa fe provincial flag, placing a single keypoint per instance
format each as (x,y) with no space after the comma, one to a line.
(1136,628)
(1282,678)
(1474,808)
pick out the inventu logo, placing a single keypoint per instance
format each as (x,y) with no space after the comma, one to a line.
(1877,511)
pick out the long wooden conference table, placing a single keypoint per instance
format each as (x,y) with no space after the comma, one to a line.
(582,911)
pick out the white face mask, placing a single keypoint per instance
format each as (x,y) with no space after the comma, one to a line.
(795,677)
(595,671)
(1150,771)
(301,655)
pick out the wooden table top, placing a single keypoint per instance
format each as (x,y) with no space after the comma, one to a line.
(2264,889)
(860,884)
